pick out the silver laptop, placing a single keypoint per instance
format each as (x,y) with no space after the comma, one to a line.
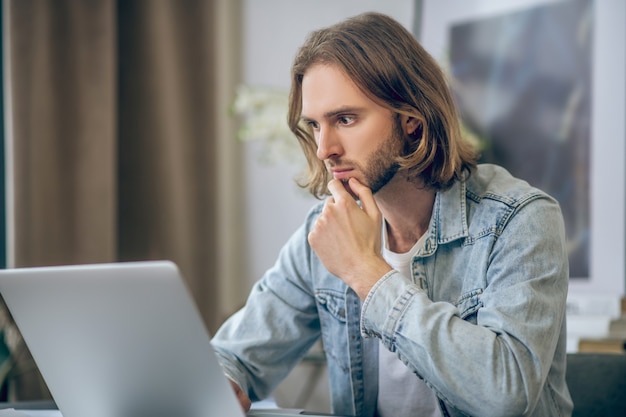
(120,340)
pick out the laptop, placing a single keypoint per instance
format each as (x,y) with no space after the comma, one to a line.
(121,339)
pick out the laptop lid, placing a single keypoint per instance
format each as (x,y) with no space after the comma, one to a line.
(122,340)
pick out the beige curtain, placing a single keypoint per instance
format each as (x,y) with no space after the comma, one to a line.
(119,129)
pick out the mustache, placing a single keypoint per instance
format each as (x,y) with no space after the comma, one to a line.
(343,163)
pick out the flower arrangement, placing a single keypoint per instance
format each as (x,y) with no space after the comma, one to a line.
(264,118)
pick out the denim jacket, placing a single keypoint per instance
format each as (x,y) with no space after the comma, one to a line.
(481,319)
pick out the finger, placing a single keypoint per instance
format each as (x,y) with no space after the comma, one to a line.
(243,399)
(364,194)
(337,190)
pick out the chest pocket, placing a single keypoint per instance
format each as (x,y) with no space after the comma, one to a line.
(331,305)
(469,303)
(333,302)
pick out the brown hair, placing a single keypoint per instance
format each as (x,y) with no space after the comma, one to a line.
(388,64)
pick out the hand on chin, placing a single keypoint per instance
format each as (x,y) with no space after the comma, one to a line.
(346,184)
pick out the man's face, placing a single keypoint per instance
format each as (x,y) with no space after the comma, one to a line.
(355,136)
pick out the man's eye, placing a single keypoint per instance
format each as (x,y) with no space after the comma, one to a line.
(313,125)
(346,120)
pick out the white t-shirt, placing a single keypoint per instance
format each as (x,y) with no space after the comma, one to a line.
(400,391)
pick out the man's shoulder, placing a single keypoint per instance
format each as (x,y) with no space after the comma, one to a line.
(493,182)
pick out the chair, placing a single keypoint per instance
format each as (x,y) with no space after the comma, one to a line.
(597,384)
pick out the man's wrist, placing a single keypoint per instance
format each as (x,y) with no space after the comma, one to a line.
(368,276)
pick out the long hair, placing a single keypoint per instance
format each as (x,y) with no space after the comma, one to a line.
(387,63)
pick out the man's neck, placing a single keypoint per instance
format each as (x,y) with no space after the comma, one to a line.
(407,207)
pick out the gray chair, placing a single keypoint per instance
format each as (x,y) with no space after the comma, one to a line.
(597,383)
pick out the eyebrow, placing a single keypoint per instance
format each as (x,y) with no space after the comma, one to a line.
(333,113)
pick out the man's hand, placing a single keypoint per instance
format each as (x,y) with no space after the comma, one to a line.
(347,238)
(244,401)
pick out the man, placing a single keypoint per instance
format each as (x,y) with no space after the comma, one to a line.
(438,287)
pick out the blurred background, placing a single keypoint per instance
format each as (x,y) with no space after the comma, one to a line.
(156,129)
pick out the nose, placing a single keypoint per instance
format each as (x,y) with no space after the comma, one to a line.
(328,145)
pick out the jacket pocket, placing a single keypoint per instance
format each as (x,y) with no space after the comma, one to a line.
(332,302)
(331,306)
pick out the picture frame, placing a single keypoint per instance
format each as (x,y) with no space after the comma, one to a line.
(607,150)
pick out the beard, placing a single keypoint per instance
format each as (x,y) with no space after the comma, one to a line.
(382,165)
(381,168)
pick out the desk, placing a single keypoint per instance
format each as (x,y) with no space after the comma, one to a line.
(43,408)
(48,408)
(11,412)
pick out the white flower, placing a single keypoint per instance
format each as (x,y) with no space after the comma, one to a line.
(264,118)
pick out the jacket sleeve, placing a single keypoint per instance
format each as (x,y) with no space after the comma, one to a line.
(262,342)
(498,365)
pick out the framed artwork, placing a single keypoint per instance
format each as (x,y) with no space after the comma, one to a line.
(541,88)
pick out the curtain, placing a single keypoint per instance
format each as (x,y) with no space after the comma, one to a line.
(118,127)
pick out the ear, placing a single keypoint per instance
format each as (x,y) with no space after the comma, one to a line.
(412,126)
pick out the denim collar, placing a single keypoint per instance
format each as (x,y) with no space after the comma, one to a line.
(449,218)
